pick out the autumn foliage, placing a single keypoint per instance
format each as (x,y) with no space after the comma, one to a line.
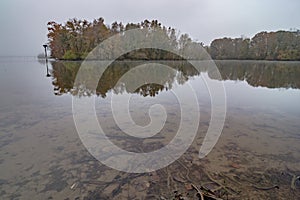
(280,45)
(74,39)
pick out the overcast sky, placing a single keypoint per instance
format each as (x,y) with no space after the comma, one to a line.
(24,29)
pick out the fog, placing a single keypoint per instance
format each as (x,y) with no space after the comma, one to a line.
(24,23)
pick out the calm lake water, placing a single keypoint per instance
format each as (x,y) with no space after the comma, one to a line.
(256,157)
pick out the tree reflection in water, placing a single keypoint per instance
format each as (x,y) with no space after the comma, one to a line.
(255,73)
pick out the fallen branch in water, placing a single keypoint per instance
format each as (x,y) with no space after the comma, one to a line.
(187,170)
(207,194)
(293,183)
(179,179)
(198,191)
(266,188)
(227,189)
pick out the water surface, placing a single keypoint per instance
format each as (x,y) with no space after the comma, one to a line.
(42,157)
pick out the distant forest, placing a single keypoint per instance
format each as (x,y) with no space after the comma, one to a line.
(280,45)
(74,39)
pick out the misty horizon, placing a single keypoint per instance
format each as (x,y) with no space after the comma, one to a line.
(24,24)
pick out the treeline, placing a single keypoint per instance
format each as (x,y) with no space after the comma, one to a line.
(280,45)
(74,39)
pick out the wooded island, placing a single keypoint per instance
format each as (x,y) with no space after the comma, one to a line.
(74,39)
